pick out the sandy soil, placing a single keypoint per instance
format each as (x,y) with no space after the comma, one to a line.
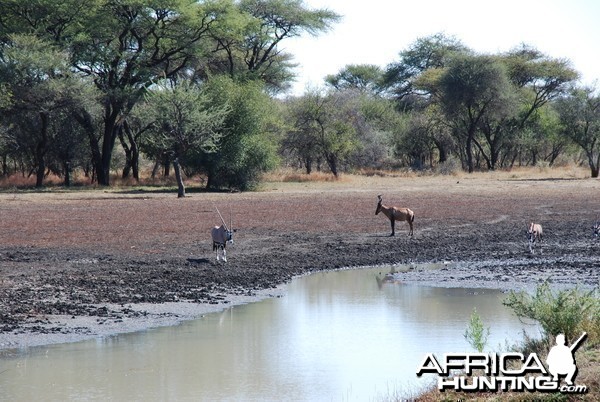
(83,264)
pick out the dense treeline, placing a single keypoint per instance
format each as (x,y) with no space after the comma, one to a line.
(198,87)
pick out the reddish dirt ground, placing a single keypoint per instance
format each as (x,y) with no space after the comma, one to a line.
(74,253)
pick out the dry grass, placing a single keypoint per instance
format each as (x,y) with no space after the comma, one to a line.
(296,176)
(287,175)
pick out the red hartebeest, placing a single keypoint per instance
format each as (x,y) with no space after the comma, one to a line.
(396,214)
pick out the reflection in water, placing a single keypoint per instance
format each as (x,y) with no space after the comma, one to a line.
(382,279)
(334,336)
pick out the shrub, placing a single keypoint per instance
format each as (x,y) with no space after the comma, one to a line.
(476,334)
(569,312)
(450,167)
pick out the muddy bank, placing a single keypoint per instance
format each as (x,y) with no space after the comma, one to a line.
(511,274)
(89,264)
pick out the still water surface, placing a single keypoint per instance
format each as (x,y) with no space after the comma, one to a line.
(333,336)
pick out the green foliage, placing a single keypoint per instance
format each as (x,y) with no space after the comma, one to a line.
(568,312)
(580,118)
(486,110)
(249,33)
(43,92)
(246,148)
(183,119)
(425,54)
(328,123)
(362,77)
(476,333)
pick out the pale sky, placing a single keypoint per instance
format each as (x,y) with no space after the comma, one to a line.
(376,31)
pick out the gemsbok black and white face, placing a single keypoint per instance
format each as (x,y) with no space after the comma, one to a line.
(229,236)
(596,229)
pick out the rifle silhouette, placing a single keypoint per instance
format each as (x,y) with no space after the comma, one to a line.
(575,344)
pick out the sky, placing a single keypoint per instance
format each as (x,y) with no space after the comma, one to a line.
(376,31)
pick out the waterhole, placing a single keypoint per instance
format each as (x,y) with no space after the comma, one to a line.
(344,335)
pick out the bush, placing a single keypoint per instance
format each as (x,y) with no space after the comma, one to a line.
(450,167)
(476,334)
(247,147)
(569,312)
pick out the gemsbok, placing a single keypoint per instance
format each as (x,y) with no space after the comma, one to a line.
(597,228)
(221,235)
(535,234)
(396,214)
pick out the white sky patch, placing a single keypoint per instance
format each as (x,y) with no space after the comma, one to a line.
(376,31)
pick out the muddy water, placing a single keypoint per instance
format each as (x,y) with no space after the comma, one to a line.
(334,336)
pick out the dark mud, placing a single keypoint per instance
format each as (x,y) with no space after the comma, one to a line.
(70,283)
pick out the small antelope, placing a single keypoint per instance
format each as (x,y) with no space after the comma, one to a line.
(535,234)
(396,214)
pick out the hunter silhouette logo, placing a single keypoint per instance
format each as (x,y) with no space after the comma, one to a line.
(561,359)
(511,371)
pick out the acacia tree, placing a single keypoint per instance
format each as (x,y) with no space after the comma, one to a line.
(246,42)
(365,78)
(580,117)
(471,89)
(299,141)
(408,82)
(327,121)
(431,52)
(536,79)
(43,90)
(123,46)
(184,120)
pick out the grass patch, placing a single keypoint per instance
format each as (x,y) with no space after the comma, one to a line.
(295,176)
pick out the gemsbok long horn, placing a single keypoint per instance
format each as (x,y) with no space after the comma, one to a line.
(221,216)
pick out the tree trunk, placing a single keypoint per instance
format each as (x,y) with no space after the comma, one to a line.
(85,120)
(40,151)
(132,154)
(108,144)
(180,186)
(469,152)
(332,162)
(308,165)
(112,126)
(166,166)
(127,167)
(155,168)
(4,165)
(442,151)
(67,167)
(594,166)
